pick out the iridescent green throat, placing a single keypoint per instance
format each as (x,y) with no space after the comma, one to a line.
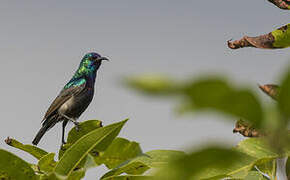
(86,73)
(87,68)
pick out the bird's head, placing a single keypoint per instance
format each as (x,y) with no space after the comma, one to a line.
(92,61)
(94,58)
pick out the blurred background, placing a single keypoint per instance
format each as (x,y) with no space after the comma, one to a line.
(42,43)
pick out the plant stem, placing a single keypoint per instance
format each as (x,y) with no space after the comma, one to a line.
(281,168)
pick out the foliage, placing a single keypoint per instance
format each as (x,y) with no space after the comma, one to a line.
(32,150)
(119,151)
(253,158)
(216,94)
(75,159)
(9,163)
(142,163)
(99,139)
(94,144)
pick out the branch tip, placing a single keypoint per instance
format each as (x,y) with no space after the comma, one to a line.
(8,140)
(282,4)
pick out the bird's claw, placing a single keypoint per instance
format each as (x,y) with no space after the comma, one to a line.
(63,143)
(77,126)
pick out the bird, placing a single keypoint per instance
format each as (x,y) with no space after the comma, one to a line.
(74,98)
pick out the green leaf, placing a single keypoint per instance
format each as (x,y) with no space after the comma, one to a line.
(129,177)
(288,168)
(207,93)
(119,151)
(77,174)
(160,158)
(259,148)
(140,164)
(74,135)
(282,37)
(152,84)
(190,166)
(268,167)
(46,163)
(84,128)
(284,97)
(12,167)
(50,176)
(254,152)
(90,162)
(135,167)
(238,169)
(256,147)
(255,175)
(216,94)
(100,139)
(33,150)
(34,167)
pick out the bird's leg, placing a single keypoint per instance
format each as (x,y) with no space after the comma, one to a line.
(64,123)
(75,123)
(72,120)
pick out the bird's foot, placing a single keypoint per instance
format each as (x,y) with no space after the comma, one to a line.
(62,145)
(63,142)
(77,126)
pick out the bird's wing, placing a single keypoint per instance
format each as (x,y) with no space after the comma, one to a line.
(64,95)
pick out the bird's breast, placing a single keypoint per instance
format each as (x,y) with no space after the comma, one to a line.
(77,104)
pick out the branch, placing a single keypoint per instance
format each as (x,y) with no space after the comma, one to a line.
(282,4)
(33,150)
(264,42)
(246,129)
(279,38)
(271,90)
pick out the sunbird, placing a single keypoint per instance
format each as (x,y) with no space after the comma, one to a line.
(74,98)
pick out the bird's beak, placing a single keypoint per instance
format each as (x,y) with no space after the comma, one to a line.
(102,59)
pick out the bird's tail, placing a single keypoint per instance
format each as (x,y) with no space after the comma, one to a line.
(45,127)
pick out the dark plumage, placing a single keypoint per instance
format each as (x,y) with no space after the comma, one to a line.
(74,98)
